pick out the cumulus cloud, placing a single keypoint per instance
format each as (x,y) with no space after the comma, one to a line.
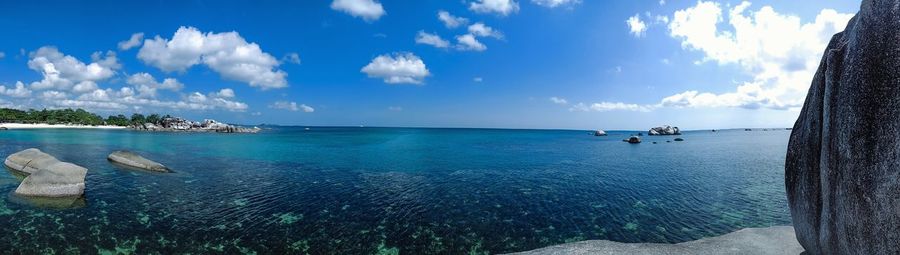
(558,100)
(147,86)
(225,93)
(479,29)
(132,42)
(611,106)
(225,53)
(636,26)
(431,39)
(782,67)
(292,57)
(500,7)
(19,90)
(62,71)
(468,42)
(368,10)
(397,68)
(451,21)
(555,3)
(291,106)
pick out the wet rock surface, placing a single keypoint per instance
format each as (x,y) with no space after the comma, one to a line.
(842,170)
(134,160)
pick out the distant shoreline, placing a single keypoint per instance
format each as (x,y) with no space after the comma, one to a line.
(56,126)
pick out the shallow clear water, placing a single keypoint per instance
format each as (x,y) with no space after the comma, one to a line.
(389,190)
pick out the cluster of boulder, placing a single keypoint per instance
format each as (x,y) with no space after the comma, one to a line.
(180,124)
(664,130)
(47,177)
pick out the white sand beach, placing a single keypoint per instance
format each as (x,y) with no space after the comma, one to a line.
(45,126)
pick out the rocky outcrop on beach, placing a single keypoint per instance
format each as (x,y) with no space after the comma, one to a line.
(599,132)
(180,124)
(134,160)
(842,170)
(771,240)
(47,176)
(664,130)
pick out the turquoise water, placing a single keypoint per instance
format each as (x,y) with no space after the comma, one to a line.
(390,190)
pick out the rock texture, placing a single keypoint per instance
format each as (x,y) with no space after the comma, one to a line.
(47,176)
(664,130)
(764,241)
(180,124)
(842,171)
(134,160)
(599,132)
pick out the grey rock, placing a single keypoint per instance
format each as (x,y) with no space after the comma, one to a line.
(664,130)
(764,241)
(29,161)
(634,139)
(59,179)
(842,170)
(132,159)
(599,132)
(47,176)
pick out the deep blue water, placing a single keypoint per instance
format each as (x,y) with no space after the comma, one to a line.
(389,190)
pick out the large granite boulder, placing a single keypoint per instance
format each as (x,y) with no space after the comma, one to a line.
(664,130)
(59,179)
(842,171)
(29,161)
(47,176)
(132,159)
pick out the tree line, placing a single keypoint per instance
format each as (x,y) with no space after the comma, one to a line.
(76,116)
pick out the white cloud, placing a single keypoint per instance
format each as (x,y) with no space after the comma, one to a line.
(53,95)
(479,29)
(555,3)
(395,108)
(147,86)
(63,71)
(292,57)
(132,42)
(19,90)
(2,55)
(662,19)
(368,10)
(291,106)
(558,100)
(431,39)
(226,53)
(469,42)
(662,2)
(397,68)
(636,26)
(611,106)
(782,66)
(451,21)
(477,79)
(85,86)
(225,93)
(501,7)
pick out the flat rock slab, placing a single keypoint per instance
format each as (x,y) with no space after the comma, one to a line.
(765,241)
(132,159)
(60,179)
(29,161)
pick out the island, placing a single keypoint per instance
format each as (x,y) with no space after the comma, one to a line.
(79,118)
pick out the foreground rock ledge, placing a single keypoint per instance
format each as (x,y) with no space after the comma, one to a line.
(765,241)
(47,176)
(132,159)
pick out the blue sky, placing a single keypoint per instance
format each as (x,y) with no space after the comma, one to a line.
(534,64)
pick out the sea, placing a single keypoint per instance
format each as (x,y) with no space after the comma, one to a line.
(370,190)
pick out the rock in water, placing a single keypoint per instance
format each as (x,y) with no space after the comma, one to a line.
(29,161)
(59,179)
(599,132)
(664,130)
(842,170)
(133,160)
(47,176)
